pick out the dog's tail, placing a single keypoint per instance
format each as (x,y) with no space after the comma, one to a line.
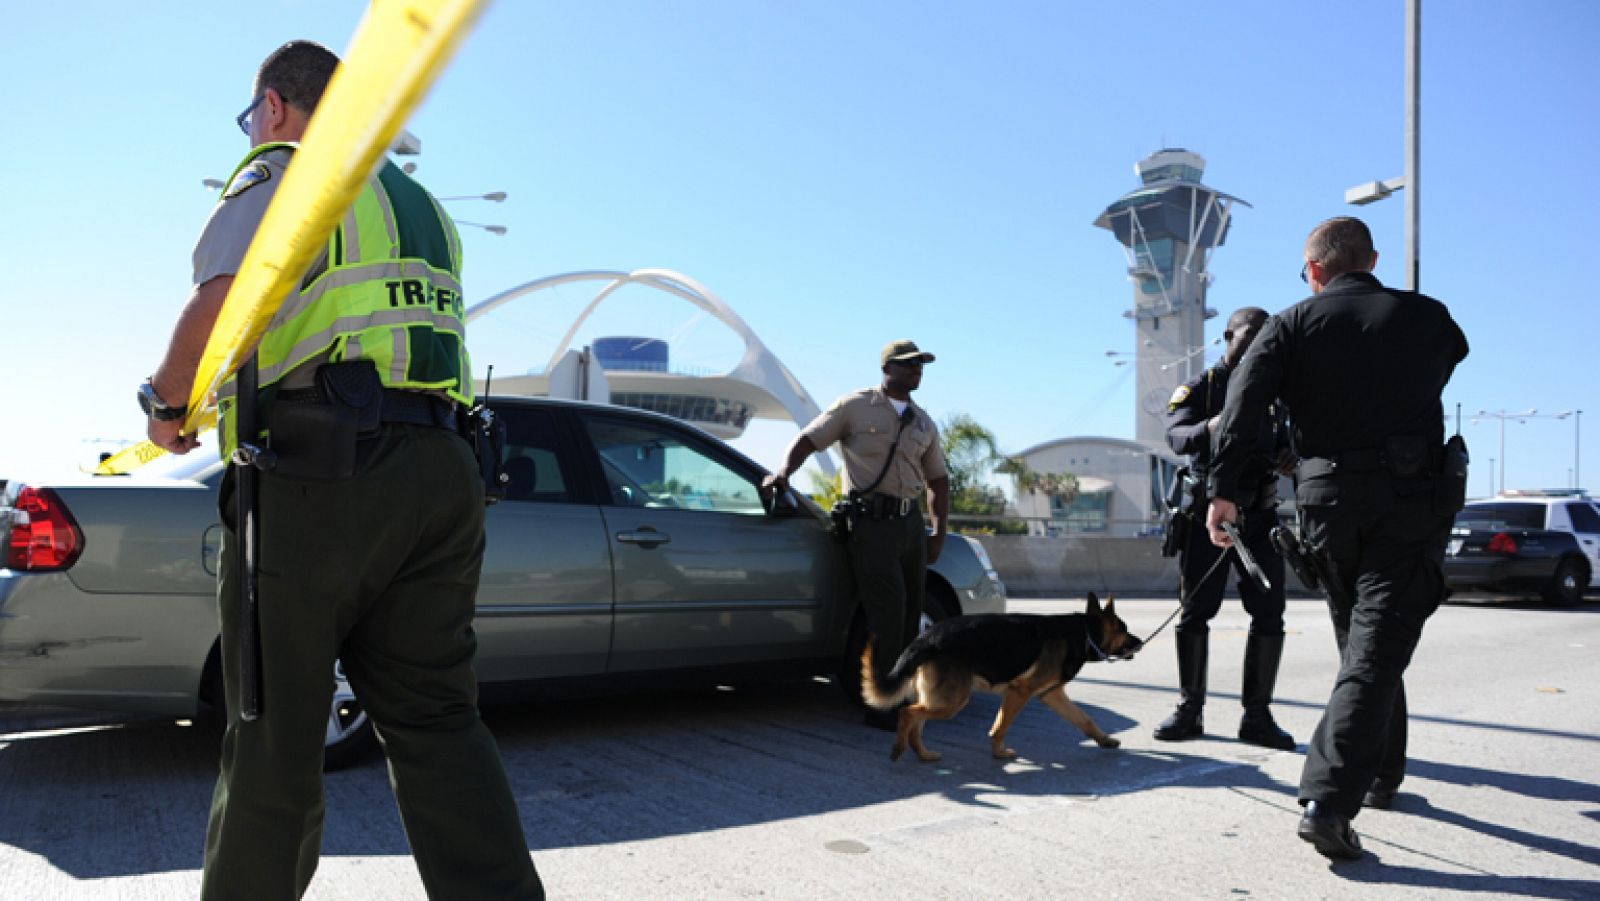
(885,691)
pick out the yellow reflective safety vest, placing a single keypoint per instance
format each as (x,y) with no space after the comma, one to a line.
(391,294)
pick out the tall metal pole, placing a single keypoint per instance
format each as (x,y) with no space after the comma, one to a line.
(1577,426)
(1502,451)
(1413,143)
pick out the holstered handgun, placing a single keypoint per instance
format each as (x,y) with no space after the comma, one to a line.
(1179,520)
(1293,551)
(842,518)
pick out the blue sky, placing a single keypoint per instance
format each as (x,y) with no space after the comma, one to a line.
(842,174)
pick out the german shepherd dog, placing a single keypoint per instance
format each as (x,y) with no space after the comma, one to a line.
(1018,655)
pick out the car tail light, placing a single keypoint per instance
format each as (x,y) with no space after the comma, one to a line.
(44,536)
(1502,543)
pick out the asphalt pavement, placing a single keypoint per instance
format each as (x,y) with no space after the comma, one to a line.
(780,792)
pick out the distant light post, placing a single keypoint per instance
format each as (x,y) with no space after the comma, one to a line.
(1504,415)
(1371,191)
(1167,362)
(491,229)
(492,197)
(1577,426)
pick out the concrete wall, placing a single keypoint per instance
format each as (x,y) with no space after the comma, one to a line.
(1068,566)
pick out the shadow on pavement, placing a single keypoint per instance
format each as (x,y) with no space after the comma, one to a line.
(1375,873)
(132,798)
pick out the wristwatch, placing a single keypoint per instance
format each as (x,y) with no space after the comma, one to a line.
(156,408)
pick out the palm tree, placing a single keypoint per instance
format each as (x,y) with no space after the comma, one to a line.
(970,452)
(1063,485)
(827,490)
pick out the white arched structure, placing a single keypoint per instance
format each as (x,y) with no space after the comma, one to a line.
(760,379)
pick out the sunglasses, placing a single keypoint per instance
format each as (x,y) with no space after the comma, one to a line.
(244,118)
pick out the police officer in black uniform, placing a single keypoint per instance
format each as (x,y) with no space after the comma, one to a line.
(1192,415)
(1361,368)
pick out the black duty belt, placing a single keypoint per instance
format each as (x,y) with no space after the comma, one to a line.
(1353,461)
(417,408)
(887,506)
(410,407)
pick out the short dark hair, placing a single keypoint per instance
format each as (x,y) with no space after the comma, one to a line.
(299,71)
(1246,315)
(1341,244)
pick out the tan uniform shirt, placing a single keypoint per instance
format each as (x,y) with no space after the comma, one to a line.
(232,226)
(864,425)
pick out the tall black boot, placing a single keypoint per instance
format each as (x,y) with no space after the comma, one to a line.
(1261,656)
(1186,721)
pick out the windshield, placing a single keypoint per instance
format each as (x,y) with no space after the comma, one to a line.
(1502,516)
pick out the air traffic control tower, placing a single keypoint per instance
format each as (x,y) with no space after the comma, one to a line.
(1168,227)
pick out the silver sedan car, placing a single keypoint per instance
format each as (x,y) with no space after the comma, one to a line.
(631,549)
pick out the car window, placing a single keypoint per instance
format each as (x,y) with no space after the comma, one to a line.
(1584,519)
(1502,516)
(646,466)
(531,460)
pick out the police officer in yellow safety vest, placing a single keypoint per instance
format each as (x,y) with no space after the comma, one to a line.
(371,530)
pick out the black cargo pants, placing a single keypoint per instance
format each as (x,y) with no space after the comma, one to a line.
(890,559)
(1379,544)
(379,571)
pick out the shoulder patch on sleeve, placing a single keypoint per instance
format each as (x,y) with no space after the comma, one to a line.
(1178,397)
(248,177)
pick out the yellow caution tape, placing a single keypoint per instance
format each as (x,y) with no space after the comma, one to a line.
(399,50)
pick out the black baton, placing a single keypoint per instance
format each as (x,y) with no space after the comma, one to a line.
(1250,565)
(248,458)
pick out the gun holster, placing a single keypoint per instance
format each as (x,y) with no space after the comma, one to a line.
(1179,522)
(1289,546)
(842,518)
(316,438)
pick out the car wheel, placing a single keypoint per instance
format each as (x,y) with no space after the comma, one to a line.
(938,603)
(349,737)
(1567,585)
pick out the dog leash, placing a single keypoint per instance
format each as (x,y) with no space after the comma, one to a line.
(1183,598)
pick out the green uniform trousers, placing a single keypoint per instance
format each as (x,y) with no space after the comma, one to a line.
(890,560)
(379,571)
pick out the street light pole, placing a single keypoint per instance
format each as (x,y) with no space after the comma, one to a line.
(1523,417)
(1371,191)
(1577,426)
(491,229)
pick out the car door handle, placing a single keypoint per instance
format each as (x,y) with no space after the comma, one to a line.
(644,537)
